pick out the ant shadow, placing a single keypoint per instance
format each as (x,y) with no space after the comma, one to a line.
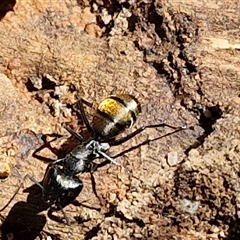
(24,220)
(6,6)
(70,143)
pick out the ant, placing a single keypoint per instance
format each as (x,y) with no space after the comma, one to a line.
(60,185)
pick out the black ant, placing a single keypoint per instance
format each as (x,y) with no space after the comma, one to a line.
(116,113)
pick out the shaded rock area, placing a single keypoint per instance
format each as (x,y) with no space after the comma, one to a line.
(180,59)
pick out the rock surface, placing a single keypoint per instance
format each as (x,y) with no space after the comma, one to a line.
(180,59)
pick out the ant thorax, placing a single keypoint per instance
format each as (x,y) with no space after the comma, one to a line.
(80,159)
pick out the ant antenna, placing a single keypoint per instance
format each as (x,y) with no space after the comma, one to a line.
(113,161)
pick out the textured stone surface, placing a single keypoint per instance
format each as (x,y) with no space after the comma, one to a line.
(180,59)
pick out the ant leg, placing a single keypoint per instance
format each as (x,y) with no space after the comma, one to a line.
(94,186)
(84,117)
(18,189)
(45,145)
(91,167)
(68,222)
(86,103)
(72,132)
(51,216)
(104,163)
(108,158)
(143,143)
(36,182)
(65,216)
(112,160)
(141,129)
